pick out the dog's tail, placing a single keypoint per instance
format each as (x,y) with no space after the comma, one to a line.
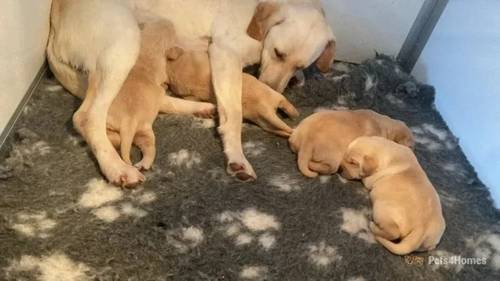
(128,129)
(407,245)
(305,155)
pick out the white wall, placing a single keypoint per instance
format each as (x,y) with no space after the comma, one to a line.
(24,27)
(365,26)
(462,60)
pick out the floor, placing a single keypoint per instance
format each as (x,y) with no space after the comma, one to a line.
(60,221)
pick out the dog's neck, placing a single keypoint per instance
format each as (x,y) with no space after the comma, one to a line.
(371,180)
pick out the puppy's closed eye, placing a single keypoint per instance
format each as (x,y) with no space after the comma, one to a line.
(279,55)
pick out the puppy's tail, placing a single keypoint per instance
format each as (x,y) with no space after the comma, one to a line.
(128,129)
(305,155)
(407,245)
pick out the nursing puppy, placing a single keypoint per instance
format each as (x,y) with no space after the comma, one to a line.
(189,77)
(142,96)
(322,138)
(406,206)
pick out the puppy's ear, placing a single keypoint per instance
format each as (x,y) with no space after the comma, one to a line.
(264,17)
(174,53)
(368,166)
(325,60)
(403,135)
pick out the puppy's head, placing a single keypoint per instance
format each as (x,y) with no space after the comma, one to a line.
(361,159)
(188,71)
(400,133)
(294,36)
(158,34)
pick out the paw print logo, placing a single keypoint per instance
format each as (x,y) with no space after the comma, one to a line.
(250,226)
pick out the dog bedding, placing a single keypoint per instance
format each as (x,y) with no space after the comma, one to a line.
(59,220)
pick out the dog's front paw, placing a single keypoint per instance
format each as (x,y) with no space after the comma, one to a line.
(125,176)
(241,170)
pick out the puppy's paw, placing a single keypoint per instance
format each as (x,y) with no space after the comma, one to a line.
(207,110)
(143,165)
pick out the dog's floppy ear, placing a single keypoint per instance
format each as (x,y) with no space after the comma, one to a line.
(174,53)
(402,134)
(368,166)
(264,17)
(325,60)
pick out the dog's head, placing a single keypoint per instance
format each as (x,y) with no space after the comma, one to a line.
(294,35)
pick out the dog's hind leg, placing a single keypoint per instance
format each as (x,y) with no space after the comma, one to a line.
(170,104)
(128,129)
(108,41)
(145,140)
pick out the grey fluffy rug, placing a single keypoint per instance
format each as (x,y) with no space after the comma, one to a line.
(60,221)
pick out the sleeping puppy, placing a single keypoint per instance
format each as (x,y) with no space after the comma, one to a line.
(322,138)
(189,77)
(142,96)
(406,206)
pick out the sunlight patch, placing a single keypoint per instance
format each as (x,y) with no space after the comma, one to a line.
(56,267)
(184,158)
(322,255)
(33,225)
(355,222)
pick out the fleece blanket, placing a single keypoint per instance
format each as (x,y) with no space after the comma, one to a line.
(59,220)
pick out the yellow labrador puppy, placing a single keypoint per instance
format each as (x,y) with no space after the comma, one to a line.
(189,76)
(142,96)
(406,206)
(322,138)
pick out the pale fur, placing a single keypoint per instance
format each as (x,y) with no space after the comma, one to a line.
(406,206)
(321,139)
(189,77)
(102,38)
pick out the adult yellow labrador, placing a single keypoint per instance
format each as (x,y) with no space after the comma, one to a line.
(102,38)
